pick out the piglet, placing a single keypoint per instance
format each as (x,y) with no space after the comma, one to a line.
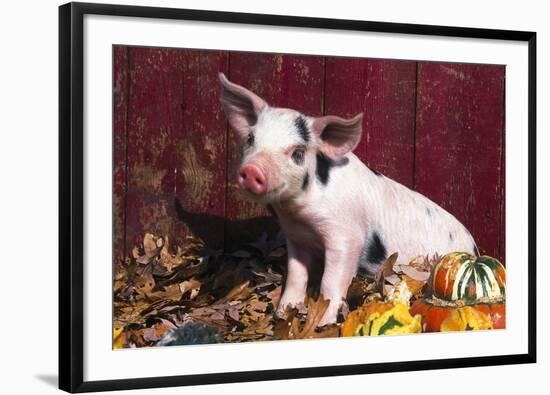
(337,214)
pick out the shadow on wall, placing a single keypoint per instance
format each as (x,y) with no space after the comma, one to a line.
(236,232)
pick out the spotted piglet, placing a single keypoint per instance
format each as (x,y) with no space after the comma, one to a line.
(336,213)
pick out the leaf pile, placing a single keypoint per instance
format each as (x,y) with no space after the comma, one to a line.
(302,323)
(173,295)
(229,296)
(401,283)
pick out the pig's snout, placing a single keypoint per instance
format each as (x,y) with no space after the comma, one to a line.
(252,179)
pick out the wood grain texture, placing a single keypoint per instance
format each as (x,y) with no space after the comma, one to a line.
(385,92)
(201,154)
(120,107)
(502,233)
(154,122)
(283,81)
(459,125)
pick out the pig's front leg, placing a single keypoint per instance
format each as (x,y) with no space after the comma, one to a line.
(296,279)
(341,261)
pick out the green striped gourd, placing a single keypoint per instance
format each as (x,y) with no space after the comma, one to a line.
(462,276)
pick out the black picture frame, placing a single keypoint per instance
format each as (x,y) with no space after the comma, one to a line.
(71,224)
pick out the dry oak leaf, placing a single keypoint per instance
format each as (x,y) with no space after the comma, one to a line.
(386,272)
(291,328)
(240,292)
(152,246)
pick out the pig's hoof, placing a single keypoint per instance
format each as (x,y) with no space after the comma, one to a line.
(327,321)
(280,313)
(331,315)
(282,309)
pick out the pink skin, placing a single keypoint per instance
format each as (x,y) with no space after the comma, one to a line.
(258,176)
(252,179)
(330,225)
(313,238)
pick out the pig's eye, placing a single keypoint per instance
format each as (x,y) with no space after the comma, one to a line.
(250,140)
(298,155)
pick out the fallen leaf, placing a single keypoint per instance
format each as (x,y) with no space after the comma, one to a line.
(416,286)
(386,271)
(151,246)
(150,335)
(291,328)
(238,293)
(189,285)
(415,274)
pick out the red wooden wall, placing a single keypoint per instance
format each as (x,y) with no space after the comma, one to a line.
(435,127)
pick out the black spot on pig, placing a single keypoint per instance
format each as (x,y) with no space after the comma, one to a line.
(299,155)
(375,251)
(322,170)
(325,165)
(250,139)
(451,236)
(301,127)
(305,183)
(428,211)
(476,251)
(341,162)
(375,172)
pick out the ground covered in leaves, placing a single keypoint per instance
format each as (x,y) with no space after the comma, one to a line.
(192,295)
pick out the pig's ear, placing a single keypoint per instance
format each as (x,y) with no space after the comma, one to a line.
(338,135)
(241,106)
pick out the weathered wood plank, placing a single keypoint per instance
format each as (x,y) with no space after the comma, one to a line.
(154,122)
(201,155)
(459,127)
(120,106)
(502,234)
(283,81)
(384,90)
